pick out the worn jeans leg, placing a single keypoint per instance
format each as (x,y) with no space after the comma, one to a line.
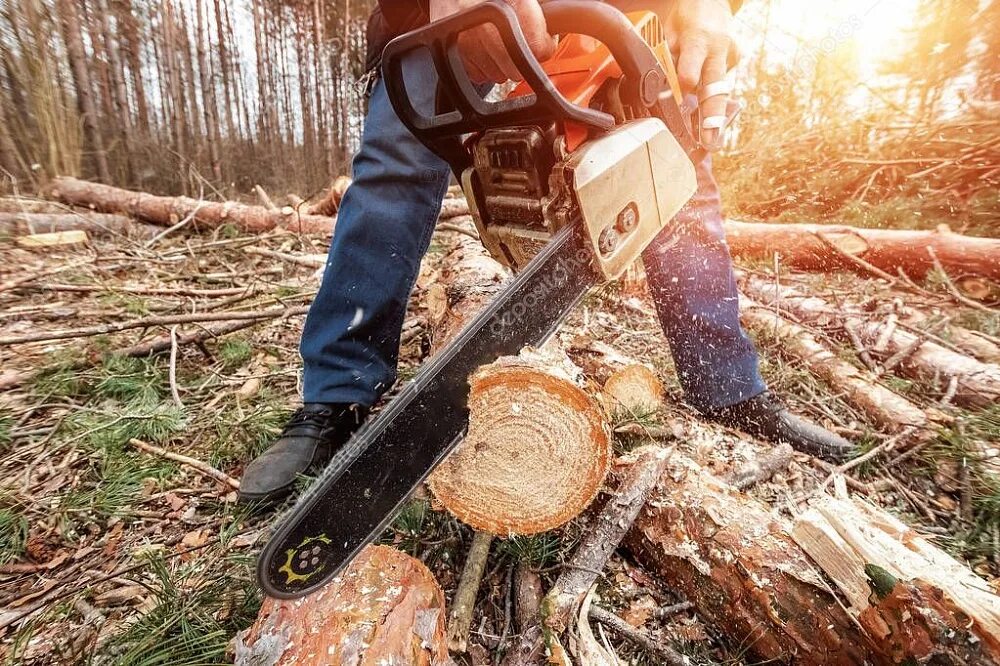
(350,342)
(690,274)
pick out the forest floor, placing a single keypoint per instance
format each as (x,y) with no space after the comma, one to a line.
(114,554)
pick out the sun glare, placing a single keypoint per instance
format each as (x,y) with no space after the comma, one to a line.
(871,30)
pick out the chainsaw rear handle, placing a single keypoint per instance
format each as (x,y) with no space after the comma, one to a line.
(442,132)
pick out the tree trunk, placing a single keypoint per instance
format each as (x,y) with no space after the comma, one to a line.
(977,384)
(128,26)
(119,87)
(211,111)
(803,246)
(887,409)
(167,211)
(386,608)
(227,94)
(70,20)
(910,596)
(749,573)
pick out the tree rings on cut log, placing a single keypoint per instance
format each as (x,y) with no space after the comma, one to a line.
(635,389)
(536,453)
(386,608)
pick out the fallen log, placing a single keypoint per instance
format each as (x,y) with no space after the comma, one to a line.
(977,384)
(330,203)
(168,211)
(819,247)
(909,595)
(886,408)
(96,224)
(386,608)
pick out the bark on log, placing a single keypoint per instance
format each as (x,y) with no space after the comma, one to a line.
(887,409)
(803,246)
(754,576)
(727,554)
(909,595)
(167,211)
(386,608)
(536,452)
(977,384)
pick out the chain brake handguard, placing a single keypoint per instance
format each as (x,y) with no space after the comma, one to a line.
(524,180)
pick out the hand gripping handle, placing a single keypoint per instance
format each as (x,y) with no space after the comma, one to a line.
(442,132)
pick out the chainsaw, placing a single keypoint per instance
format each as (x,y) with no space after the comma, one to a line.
(569,177)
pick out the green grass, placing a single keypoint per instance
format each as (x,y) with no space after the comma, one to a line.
(130,379)
(13,535)
(243,434)
(197,608)
(234,353)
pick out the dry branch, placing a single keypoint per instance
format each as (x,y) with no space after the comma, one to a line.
(386,608)
(149,322)
(197,465)
(886,408)
(464,601)
(977,384)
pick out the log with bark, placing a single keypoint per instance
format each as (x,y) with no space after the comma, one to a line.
(330,203)
(977,384)
(385,608)
(95,224)
(972,262)
(168,211)
(740,566)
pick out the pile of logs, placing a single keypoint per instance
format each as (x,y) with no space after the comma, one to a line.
(842,583)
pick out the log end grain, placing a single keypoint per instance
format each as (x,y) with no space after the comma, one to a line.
(536,453)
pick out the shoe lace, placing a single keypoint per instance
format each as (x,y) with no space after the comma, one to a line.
(312,417)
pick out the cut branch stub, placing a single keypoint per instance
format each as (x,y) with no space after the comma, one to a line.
(385,608)
(536,453)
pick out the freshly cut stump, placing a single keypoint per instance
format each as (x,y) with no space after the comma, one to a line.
(386,608)
(536,453)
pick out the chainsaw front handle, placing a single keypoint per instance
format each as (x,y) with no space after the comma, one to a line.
(443,132)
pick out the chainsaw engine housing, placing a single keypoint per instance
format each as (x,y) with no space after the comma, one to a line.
(624,186)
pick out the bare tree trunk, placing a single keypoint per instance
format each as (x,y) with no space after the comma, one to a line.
(128,26)
(319,52)
(208,96)
(178,120)
(224,68)
(123,113)
(73,37)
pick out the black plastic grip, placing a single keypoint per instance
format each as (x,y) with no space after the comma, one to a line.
(442,131)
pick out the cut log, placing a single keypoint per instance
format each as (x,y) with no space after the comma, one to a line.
(96,224)
(811,247)
(330,203)
(909,595)
(53,239)
(749,572)
(634,389)
(887,409)
(386,608)
(536,452)
(977,384)
(168,211)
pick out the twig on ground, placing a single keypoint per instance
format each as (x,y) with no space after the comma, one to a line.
(193,463)
(663,612)
(149,322)
(312,261)
(460,619)
(664,653)
(31,277)
(172,369)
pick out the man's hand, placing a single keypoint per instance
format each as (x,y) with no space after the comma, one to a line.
(485,56)
(701,35)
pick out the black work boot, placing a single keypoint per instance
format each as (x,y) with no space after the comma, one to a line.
(763,416)
(313,434)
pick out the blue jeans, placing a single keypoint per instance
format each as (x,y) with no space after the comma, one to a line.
(350,343)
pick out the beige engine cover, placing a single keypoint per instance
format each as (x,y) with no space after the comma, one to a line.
(628,185)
